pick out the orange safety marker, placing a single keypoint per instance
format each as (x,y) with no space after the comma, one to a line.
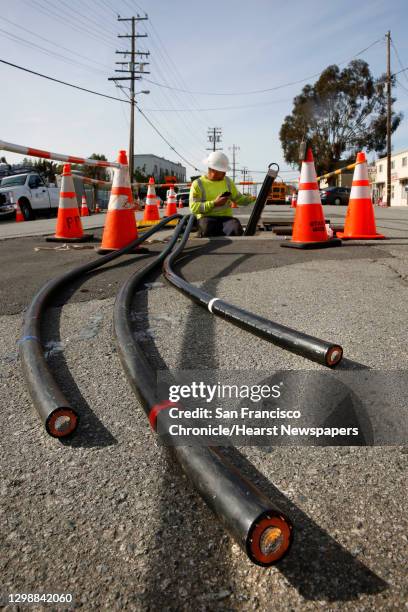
(234,205)
(151,214)
(84,207)
(171,205)
(360,220)
(309,229)
(120,225)
(97,209)
(69,226)
(180,203)
(19,214)
(293,203)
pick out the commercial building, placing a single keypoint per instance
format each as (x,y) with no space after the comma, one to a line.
(159,167)
(399,179)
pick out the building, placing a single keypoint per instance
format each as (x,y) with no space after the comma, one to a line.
(399,179)
(159,167)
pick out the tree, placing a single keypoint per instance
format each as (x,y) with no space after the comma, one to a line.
(342,113)
(46,169)
(95,172)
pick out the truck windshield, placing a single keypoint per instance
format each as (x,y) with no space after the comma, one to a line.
(9,181)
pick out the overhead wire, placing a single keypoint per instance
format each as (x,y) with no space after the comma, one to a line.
(53,43)
(53,54)
(268,89)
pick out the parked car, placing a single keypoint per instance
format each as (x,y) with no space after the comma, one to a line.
(7,208)
(30,191)
(335,195)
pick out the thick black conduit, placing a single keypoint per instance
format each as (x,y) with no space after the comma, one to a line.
(261,530)
(323,352)
(261,200)
(58,416)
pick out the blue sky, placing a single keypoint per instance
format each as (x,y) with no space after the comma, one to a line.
(212,47)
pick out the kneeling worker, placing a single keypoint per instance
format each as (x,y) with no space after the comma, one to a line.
(211,197)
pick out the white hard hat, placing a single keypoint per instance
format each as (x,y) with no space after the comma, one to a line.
(217,161)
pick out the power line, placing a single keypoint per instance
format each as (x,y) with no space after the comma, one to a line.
(53,43)
(97,93)
(398,57)
(44,76)
(258,91)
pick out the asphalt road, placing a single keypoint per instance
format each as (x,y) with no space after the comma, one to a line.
(108,517)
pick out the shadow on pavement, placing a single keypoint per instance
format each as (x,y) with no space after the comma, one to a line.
(317,566)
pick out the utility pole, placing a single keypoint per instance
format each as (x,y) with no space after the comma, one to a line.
(214,136)
(244,172)
(389,102)
(234,148)
(133,68)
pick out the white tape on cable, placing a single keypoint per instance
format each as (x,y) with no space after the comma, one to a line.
(211,303)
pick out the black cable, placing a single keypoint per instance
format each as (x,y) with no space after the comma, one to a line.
(58,416)
(260,529)
(321,351)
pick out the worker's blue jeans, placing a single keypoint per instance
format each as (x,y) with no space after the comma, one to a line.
(219,226)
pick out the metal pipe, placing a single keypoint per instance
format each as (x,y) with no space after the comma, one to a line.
(23,150)
(55,411)
(261,530)
(325,353)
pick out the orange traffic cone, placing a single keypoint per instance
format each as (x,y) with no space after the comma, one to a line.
(19,214)
(84,207)
(120,225)
(97,209)
(309,229)
(180,203)
(151,212)
(234,205)
(294,200)
(171,205)
(360,220)
(69,226)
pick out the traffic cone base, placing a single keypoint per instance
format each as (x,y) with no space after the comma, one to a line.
(69,226)
(143,223)
(324,244)
(359,223)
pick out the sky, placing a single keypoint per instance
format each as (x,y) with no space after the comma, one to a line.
(222,51)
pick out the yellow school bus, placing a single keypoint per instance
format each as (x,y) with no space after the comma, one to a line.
(277,194)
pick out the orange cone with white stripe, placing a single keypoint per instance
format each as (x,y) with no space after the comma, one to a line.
(180,203)
(69,226)
(151,214)
(293,203)
(309,229)
(84,207)
(360,221)
(120,225)
(19,214)
(97,209)
(171,205)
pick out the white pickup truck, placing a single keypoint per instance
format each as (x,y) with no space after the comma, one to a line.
(30,191)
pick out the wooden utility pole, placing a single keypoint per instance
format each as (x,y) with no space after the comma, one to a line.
(214,135)
(234,148)
(389,110)
(131,68)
